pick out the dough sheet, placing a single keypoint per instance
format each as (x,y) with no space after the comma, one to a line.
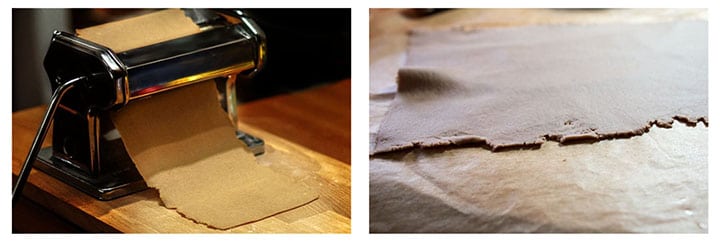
(522,86)
(657,182)
(184,145)
(141,31)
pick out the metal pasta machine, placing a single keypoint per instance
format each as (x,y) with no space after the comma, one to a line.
(90,81)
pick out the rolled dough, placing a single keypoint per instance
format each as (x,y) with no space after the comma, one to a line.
(509,87)
(432,190)
(141,31)
(189,152)
(183,144)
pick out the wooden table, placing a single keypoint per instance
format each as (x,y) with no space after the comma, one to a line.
(311,129)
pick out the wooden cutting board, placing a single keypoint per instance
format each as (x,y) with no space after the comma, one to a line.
(143,212)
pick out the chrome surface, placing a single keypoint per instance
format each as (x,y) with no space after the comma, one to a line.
(229,46)
(40,136)
(115,69)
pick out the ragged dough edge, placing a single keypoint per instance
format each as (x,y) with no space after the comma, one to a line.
(197,221)
(567,139)
(420,81)
(429,76)
(235,226)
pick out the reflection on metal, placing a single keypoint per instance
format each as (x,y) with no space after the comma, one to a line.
(229,46)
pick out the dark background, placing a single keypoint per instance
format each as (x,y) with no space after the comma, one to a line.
(306,48)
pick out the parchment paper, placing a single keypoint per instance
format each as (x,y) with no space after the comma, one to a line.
(509,87)
(438,190)
(183,144)
(600,187)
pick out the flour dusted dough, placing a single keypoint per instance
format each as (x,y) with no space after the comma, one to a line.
(510,87)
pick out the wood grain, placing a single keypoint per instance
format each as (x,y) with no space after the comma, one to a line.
(143,212)
(318,118)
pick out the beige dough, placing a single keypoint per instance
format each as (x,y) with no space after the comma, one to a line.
(509,87)
(656,182)
(183,144)
(141,31)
